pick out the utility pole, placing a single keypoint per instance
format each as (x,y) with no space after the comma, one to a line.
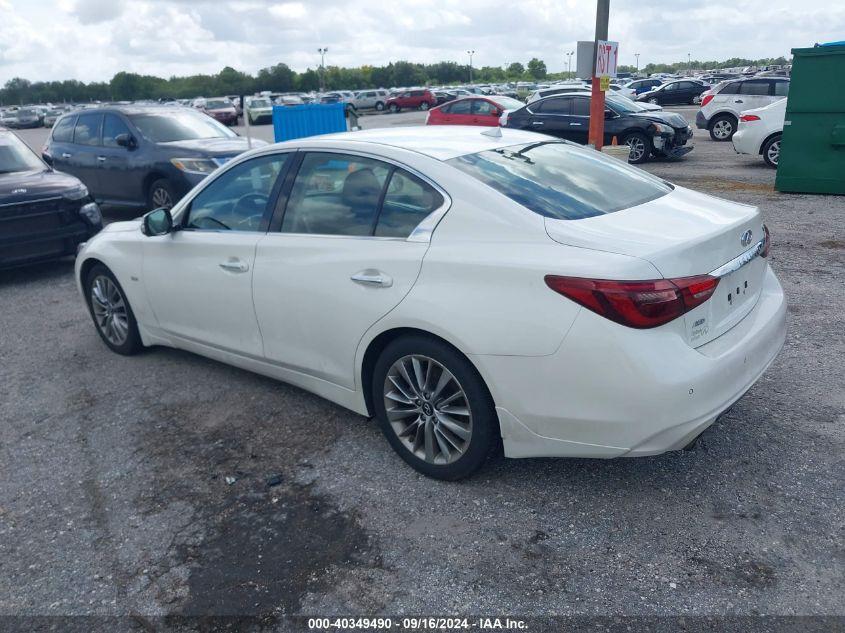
(470,53)
(637,55)
(323,51)
(596,137)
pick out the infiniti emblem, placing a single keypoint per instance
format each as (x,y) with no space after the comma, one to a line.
(745,240)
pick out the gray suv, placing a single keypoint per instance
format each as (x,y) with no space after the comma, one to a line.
(370,99)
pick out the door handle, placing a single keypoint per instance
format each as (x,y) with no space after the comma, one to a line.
(576,124)
(739,101)
(372,278)
(234,266)
(101,158)
(537,123)
(66,155)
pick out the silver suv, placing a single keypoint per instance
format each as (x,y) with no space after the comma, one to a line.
(722,104)
(367,99)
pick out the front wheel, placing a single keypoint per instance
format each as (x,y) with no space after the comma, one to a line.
(434,408)
(394,108)
(696,100)
(111,312)
(161,195)
(379,106)
(771,151)
(639,147)
(424,105)
(654,101)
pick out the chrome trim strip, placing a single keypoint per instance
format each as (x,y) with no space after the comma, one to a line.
(738,262)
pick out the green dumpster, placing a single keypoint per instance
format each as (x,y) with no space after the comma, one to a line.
(812,158)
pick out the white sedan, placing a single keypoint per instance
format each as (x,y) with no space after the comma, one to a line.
(760,131)
(465,287)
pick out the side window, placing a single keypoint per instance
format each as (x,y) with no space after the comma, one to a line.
(63,131)
(731,89)
(561,105)
(87,130)
(670,87)
(781,88)
(464,106)
(408,202)
(754,88)
(335,194)
(581,107)
(238,199)
(481,107)
(416,93)
(113,126)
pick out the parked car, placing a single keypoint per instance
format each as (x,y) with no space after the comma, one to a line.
(443,96)
(221,110)
(371,99)
(640,86)
(44,214)
(684,91)
(567,116)
(26,118)
(721,106)
(557,89)
(472,111)
(50,117)
(534,294)
(141,156)
(258,110)
(420,99)
(760,131)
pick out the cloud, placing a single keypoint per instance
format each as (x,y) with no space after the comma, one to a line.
(96,11)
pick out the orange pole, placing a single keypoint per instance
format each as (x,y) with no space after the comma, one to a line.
(596,137)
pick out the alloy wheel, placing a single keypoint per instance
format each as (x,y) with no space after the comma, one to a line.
(161,198)
(109,309)
(653,101)
(636,148)
(773,153)
(427,409)
(722,129)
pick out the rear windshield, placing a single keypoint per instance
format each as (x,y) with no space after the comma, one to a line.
(562,180)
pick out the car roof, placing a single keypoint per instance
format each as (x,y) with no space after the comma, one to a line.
(441,142)
(132,109)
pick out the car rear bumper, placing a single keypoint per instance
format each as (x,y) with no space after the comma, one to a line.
(610,391)
(701,121)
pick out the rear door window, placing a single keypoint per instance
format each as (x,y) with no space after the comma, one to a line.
(63,130)
(482,107)
(580,106)
(87,130)
(560,105)
(731,89)
(408,201)
(461,107)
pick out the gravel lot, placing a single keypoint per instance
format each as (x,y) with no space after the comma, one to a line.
(114,499)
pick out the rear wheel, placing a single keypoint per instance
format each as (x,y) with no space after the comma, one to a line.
(424,105)
(379,106)
(434,408)
(111,312)
(723,127)
(161,195)
(639,147)
(771,151)
(394,108)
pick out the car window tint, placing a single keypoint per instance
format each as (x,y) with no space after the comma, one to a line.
(463,106)
(63,130)
(482,108)
(561,180)
(561,105)
(670,87)
(754,88)
(580,106)
(335,194)
(408,202)
(781,88)
(113,126)
(87,130)
(416,93)
(731,89)
(237,200)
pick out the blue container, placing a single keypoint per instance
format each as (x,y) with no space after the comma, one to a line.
(308,120)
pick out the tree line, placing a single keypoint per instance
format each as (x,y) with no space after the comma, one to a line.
(126,86)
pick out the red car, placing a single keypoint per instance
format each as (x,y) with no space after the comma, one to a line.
(421,98)
(473,111)
(222,110)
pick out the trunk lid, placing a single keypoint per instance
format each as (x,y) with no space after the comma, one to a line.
(684,234)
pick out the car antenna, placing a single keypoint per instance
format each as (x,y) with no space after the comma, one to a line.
(493,132)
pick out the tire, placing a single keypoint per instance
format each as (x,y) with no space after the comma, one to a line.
(640,147)
(430,445)
(160,192)
(722,128)
(424,106)
(696,100)
(379,106)
(771,151)
(110,310)
(654,101)
(394,108)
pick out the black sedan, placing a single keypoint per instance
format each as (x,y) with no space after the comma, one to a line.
(646,132)
(685,91)
(43,214)
(144,157)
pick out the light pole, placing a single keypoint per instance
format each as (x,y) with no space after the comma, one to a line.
(470,53)
(637,55)
(323,51)
(569,55)
(689,64)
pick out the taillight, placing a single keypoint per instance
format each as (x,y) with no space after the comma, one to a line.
(705,99)
(637,304)
(749,117)
(767,242)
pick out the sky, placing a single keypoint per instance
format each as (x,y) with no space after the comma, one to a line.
(91,40)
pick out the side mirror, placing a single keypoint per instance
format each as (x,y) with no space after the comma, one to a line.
(158,222)
(125,140)
(496,113)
